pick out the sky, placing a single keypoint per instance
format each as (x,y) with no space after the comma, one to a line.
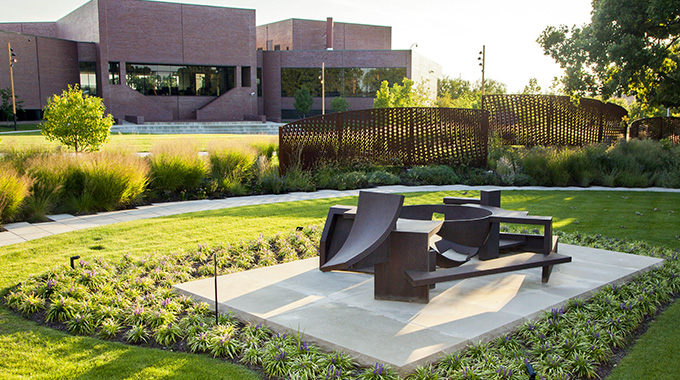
(450,32)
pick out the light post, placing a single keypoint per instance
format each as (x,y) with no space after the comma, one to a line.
(323,88)
(12,60)
(482,58)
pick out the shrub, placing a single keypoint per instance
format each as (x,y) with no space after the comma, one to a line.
(382,178)
(431,175)
(332,177)
(297,179)
(175,166)
(13,190)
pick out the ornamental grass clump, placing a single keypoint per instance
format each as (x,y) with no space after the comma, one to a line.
(231,167)
(175,167)
(13,190)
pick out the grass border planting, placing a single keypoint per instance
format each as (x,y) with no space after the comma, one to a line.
(130,301)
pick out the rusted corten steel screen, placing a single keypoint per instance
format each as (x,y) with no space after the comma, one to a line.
(553,120)
(656,128)
(408,136)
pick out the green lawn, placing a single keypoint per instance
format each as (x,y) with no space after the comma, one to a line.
(655,355)
(137,142)
(20,127)
(28,350)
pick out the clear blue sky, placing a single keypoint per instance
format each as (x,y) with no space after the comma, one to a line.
(450,32)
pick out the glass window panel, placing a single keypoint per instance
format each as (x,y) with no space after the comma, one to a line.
(346,82)
(88,77)
(150,79)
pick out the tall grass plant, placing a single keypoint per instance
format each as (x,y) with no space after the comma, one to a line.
(175,166)
(231,166)
(13,189)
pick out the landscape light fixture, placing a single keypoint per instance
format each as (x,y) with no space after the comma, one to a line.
(73,260)
(217,305)
(12,61)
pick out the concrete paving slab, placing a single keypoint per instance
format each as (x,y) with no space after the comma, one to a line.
(35,235)
(60,217)
(54,227)
(8,238)
(16,226)
(337,311)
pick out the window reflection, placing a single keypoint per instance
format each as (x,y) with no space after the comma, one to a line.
(180,80)
(88,77)
(346,82)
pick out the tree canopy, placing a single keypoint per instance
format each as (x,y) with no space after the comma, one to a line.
(629,48)
(405,95)
(303,101)
(76,120)
(460,93)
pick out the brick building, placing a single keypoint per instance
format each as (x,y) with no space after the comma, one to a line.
(158,61)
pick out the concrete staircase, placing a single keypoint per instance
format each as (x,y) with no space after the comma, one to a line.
(224,127)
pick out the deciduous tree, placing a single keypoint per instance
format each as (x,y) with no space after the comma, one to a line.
(303,101)
(339,104)
(404,95)
(630,47)
(76,120)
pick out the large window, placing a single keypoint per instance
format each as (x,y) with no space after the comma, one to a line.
(180,80)
(114,73)
(346,82)
(88,77)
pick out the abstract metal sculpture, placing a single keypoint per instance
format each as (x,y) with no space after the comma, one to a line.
(409,252)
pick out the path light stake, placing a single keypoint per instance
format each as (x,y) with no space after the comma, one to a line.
(530,370)
(215,275)
(73,259)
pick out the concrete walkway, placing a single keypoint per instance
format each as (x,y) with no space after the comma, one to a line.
(21,232)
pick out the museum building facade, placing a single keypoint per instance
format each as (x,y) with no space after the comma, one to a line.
(156,61)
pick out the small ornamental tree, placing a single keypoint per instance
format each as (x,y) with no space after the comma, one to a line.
(6,103)
(339,104)
(76,120)
(303,101)
(408,94)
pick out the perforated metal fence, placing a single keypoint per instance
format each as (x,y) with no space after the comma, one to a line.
(402,136)
(553,120)
(656,128)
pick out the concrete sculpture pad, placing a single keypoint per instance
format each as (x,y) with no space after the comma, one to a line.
(336,310)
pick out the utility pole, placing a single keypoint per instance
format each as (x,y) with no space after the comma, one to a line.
(12,60)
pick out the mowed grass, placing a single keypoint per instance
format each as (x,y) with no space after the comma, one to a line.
(135,142)
(28,350)
(20,127)
(655,354)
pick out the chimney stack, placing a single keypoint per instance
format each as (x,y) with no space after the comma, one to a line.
(329,33)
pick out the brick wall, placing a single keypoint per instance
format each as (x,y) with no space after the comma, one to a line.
(311,35)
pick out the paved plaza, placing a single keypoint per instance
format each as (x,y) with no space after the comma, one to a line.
(336,310)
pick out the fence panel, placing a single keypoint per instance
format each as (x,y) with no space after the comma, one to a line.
(656,128)
(408,136)
(553,120)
